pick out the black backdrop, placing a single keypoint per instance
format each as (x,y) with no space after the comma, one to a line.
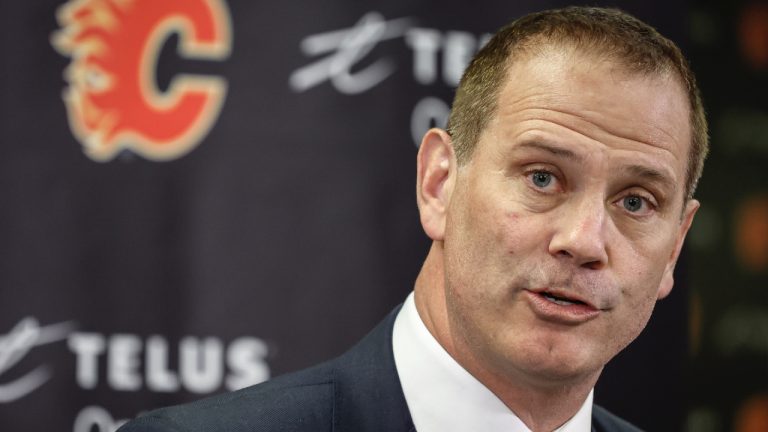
(153,273)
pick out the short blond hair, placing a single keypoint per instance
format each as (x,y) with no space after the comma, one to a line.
(610,32)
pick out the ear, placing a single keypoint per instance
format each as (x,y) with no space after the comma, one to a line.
(435,173)
(667,279)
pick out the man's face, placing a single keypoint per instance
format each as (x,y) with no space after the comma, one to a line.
(563,229)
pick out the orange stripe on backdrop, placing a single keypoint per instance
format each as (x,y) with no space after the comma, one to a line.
(751,236)
(753,32)
(753,415)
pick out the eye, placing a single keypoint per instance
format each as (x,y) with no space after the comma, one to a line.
(541,179)
(633,203)
(636,204)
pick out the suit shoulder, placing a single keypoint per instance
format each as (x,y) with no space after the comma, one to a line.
(605,421)
(301,401)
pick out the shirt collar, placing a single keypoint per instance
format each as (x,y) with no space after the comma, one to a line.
(443,396)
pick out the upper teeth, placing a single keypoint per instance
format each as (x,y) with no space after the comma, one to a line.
(556,300)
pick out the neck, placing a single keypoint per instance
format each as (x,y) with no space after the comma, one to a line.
(542,404)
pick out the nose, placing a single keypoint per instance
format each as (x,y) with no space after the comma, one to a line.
(580,235)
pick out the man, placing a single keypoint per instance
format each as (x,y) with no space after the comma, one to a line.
(557,201)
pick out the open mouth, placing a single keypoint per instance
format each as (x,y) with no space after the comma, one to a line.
(561,306)
(561,300)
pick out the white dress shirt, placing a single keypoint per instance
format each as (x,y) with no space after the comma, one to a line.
(442,396)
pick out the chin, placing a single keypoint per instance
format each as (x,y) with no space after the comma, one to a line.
(559,374)
(561,364)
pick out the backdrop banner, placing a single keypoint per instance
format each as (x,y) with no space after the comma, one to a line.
(198,195)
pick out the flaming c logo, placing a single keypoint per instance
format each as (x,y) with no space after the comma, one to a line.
(113,102)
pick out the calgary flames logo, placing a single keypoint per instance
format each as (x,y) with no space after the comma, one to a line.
(113,102)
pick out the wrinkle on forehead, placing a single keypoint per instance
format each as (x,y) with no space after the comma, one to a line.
(591,97)
(658,164)
(580,123)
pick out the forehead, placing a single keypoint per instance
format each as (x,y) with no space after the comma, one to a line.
(598,99)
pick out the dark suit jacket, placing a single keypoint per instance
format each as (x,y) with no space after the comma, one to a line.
(357,392)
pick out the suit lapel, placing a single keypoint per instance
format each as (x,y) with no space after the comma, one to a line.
(367,392)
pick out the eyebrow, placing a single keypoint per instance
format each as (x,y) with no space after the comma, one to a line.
(634,171)
(651,175)
(550,148)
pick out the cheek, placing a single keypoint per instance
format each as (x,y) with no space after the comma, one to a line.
(641,264)
(506,232)
(640,287)
(638,272)
(486,229)
(522,234)
(636,319)
(639,295)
